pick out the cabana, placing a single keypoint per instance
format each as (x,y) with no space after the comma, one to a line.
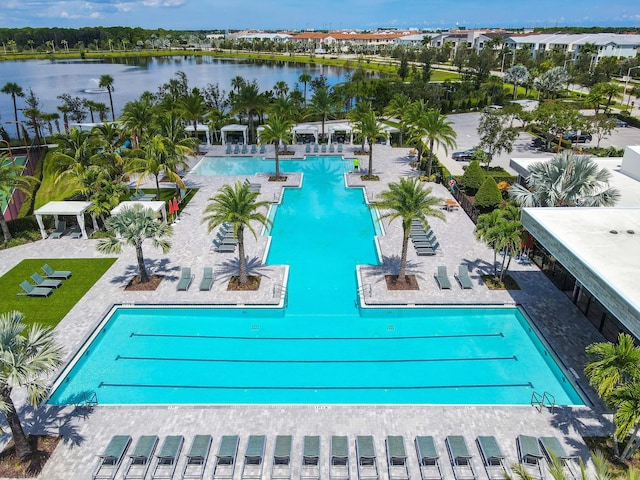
(234,133)
(304,131)
(200,129)
(58,209)
(388,131)
(339,132)
(156,206)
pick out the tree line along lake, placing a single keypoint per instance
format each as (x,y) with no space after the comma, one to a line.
(133,76)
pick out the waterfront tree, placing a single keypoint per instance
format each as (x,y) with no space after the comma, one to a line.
(276,130)
(432,126)
(368,128)
(106,81)
(15,90)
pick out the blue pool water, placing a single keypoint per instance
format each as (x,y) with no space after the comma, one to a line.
(321,348)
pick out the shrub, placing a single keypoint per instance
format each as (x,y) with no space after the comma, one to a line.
(488,195)
(473,178)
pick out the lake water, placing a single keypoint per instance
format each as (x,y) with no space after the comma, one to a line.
(132,76)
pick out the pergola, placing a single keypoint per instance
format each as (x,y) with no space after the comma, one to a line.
(237,129)
(58,209)
(156,206)
(200,128)
(305,130)
(340,128)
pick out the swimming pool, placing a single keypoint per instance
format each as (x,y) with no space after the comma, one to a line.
(321,348)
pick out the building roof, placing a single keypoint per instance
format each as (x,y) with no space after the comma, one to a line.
(63,208)
(578,39)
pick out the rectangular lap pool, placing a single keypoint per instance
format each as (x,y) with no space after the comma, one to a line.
(213,356)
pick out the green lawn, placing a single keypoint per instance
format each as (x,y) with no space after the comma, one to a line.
(50,310)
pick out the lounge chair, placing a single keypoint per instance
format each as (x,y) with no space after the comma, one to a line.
(428,458)
(244,148)
(236,149)
(315,148)
(225,464)
(185,280)
(397,458)
(307,148)
(45,282)
(51,273)
(530,456)
(227,239)
(223,248)
(253,187)
(263,148)
(31,291)
(228,150)
(552,448)
(207,279)
(140,458)
(253,458)
(424,242)
(61,227)
(254,149)
(463,277)
(367,460)
(310,468)
(339,148)
(428,251)
(167,459)
(339,461)
(461,459)
(111,458)
(332,148)
(443,278)
(75,233)
(197,458)
(492,458)
(323,148)
(281,466)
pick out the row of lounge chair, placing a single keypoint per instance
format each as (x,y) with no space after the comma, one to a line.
(225,241)
(322,148)
(531,451)
(424,241)
(186,278)
(244,149)
(44,286)
(61,229)
(442,277)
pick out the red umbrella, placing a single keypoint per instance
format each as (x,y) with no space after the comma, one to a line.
(170,207)
(175,205)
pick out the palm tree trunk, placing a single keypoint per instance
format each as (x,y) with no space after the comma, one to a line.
(370,172)
(277,162)
(402,274)
(627,448)
(495,262)
(5,228)
(23,449)
(430,162)
(15,114)
(504,257)
(113,113)
(158,186)
(242,261)
(144,276)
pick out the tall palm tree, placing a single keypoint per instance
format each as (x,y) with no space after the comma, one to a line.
(281,88)
(237,205)
(322,104)
(237,83)
(432,126)
(251,102)
(285,107)
(486,231)
(508,238)
(158,155)
(398,107)
(11,179)
(137,116)
(304,78)
(627,414)
(276,130)
(369,128)
(566,180)
(28,354)
(132,226)
(14,90)
(518,74)
(193,108)
(406,200)
(106,81)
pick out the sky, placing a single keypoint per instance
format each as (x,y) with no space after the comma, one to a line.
(322,14)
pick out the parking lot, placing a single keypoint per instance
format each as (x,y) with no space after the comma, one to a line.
(466,126)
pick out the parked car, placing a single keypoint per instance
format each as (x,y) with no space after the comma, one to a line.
(621,123)
(466,155)
(573,137)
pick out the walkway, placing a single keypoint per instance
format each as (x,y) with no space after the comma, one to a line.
(87,433)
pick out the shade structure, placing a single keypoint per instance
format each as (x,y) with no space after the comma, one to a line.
(58,209)
(156,206)
(234,130)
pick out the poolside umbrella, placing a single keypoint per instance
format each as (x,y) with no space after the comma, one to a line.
(175,205)
(171,211)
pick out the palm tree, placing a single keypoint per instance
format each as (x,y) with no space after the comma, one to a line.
(486,231)
(250,101)
(304,78)
(237,83)
(159,155)
(276,130)
(285,107)
(11,179)
(322,104)
(518,75)
(132,226)
(369,127)
(106,81)
(14,90)
(192,108)
(137,116)
(627,414)
(281,88)
(27,356)
(398,107)
(431,125)
(566,180)
(237,205)
(407,200)
(508,238)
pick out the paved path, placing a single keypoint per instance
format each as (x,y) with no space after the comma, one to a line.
(87,433)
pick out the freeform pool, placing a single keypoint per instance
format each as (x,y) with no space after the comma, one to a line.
(321,348)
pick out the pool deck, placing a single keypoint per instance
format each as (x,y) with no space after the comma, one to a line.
(87,433)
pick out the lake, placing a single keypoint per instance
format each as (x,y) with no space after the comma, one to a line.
(132,76)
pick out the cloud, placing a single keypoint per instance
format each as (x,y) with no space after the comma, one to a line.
(163,3)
